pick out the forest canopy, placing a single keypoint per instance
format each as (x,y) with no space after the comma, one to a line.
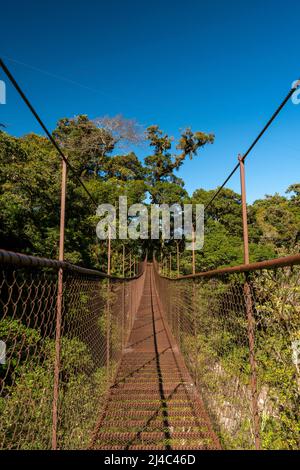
(100,152)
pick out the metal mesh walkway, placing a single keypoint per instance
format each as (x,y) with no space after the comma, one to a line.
(153,403)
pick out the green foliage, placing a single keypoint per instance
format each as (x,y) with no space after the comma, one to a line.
(215,344)
(273,229)
(30,196)
(278,220)
(22,341)
(30,174)
(29,393)
(161,164)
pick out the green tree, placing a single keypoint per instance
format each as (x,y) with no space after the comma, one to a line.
(162,163)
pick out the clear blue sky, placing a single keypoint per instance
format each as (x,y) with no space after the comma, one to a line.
(217,66)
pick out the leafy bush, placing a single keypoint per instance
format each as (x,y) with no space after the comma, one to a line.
(26,405)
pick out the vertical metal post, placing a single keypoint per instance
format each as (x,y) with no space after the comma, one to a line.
(249,311)
(109,251)
(178,268)
(244,210)
(193,249)
(59,306)
(123,298)
(194,320)
(253,366)
(108,306)
(123,314)
(123,260)
(170,264)
(108,332)
(130,310)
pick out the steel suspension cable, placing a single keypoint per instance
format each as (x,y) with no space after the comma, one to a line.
(49,135)
(273,117)
(52,140)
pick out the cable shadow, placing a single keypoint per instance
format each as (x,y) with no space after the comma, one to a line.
(143,339)
(163,399)
(138,369)
(155,414)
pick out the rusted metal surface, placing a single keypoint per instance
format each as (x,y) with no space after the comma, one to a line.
(238,331)
(59,307)
(77,375)
(244,210)
(59,304)
(153,402)
(109,250)
(249,311)
(148,362)
(253,365)
(243,268)
(177,259)
(18,260)
(193,250)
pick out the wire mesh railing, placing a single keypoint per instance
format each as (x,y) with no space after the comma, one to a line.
(54,375)
(239,332)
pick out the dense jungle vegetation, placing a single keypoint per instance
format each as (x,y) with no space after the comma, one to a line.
(30,173)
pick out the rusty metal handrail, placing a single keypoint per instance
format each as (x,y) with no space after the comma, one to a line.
(21,260)
(85,322)
(244,268)
(238,335)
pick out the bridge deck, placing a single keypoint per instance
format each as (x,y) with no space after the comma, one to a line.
(153,403)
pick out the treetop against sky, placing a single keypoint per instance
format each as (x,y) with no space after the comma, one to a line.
(220,67)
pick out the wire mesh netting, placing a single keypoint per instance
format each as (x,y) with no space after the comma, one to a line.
(239,334)
(240,338)
(96,317)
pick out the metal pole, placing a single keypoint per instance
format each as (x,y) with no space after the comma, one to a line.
(59,306)
(123,260)
(108,306)
(244,210)
(108,332)
(177,259)
(109,250)
(123,313)
(253,366)
(193,250)
(249,311)
(170,264)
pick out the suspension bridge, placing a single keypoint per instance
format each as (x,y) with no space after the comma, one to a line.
(147,362)
(204,361)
